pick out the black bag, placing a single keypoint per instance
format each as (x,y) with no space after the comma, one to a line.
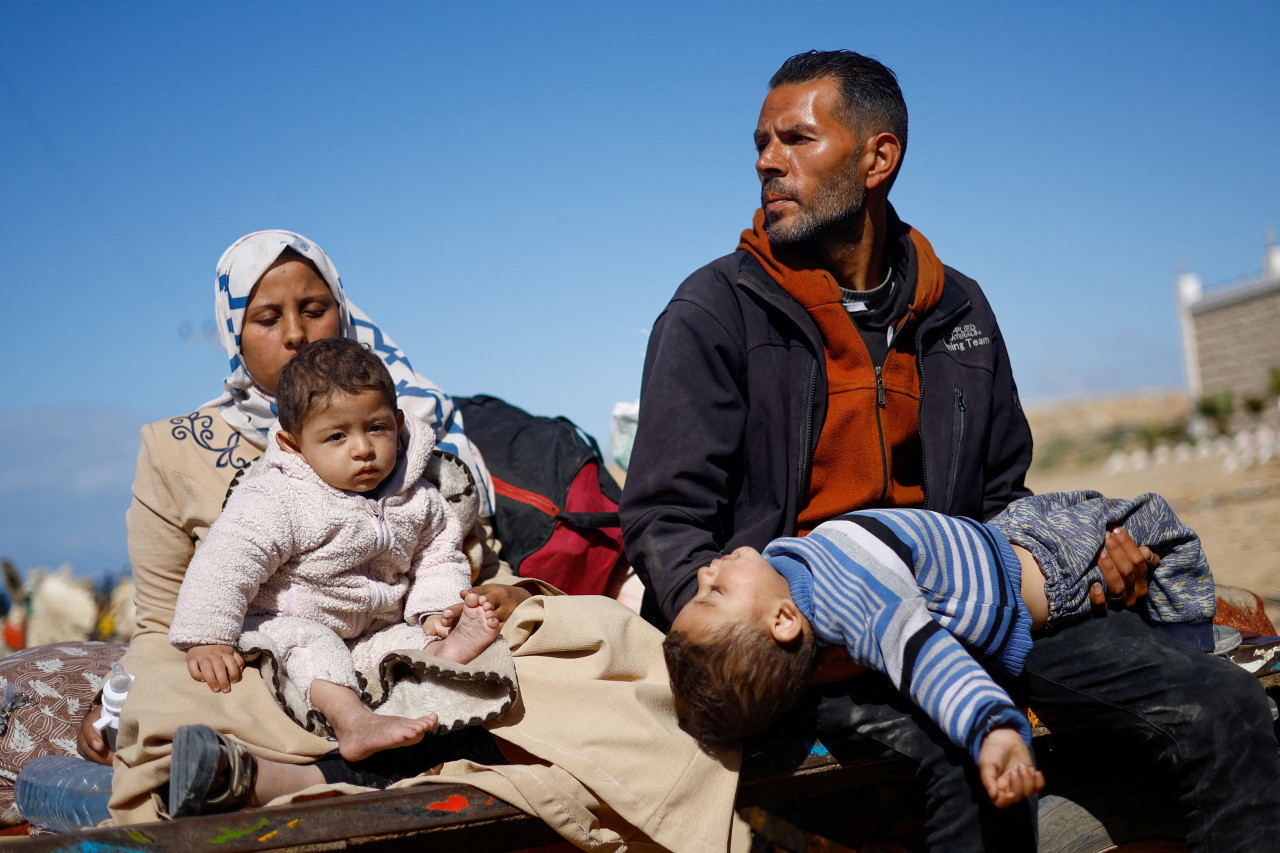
(557,505)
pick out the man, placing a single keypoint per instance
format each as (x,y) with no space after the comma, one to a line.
(833,363)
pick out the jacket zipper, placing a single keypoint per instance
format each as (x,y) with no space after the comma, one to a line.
(801,317)
(957,433)
(884,451)
(881,403)
(382,539)
(524,496)
(806,458)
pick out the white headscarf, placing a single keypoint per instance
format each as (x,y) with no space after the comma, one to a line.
(250,410)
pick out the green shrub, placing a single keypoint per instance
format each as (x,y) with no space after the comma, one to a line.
(1217,408)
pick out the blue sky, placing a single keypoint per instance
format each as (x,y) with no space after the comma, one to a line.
(514,190)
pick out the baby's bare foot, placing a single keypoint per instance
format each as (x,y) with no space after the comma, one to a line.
(474,629)
(367,733)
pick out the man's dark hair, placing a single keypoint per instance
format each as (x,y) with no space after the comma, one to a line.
(320,369)
(871,99)
(738,684)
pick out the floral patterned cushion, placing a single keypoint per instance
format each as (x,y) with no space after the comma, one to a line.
(45,692)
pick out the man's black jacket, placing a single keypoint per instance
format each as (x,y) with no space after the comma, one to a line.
(732,402)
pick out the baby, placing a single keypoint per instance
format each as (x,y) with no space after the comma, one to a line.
(339,551)
(918,595)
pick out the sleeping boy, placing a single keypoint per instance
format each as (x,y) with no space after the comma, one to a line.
(918,596)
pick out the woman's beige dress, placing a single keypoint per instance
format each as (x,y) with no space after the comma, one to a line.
(610,769)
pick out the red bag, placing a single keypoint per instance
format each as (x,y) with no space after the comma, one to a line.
(557,507)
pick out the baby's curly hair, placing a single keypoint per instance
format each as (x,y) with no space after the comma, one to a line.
(321,368)
(738,684)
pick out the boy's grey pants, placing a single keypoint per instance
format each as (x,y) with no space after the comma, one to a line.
(1064,532)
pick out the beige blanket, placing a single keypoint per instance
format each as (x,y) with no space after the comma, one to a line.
(611,769)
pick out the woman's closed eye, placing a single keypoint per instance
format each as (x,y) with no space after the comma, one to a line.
(316,303)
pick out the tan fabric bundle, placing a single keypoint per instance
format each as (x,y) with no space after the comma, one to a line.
(611,768)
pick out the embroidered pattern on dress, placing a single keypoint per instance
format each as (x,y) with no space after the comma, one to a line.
(199,428)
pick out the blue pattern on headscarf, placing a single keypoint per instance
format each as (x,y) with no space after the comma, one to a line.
(390,354)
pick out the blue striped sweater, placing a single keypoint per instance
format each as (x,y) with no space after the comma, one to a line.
(918,595)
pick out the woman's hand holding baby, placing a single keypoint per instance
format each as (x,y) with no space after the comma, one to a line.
(503,597)
(217,666)
(1007,769)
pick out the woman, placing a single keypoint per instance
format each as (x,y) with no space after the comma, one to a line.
(275,291)
(602,757)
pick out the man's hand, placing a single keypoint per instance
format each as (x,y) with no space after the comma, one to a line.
(89,740)
(1006,768)
(1124,570)
(215,665)
(504,599)
(834,664)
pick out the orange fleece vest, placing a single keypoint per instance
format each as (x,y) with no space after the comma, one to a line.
(868,452)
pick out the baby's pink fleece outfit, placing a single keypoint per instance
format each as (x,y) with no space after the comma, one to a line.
(335,578)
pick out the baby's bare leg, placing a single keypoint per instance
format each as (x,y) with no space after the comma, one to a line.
(473,631)
(361,732)
(1007,769)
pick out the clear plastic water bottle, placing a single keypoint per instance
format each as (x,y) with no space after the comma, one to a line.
(114,692)
(63,793)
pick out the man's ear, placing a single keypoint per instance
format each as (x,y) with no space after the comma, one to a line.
(787,624)
(881,155)
(287,443)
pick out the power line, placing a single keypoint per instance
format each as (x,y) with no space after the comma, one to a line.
(81,188)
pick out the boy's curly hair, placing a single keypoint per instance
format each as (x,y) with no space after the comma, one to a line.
(738,684)
(323,367)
